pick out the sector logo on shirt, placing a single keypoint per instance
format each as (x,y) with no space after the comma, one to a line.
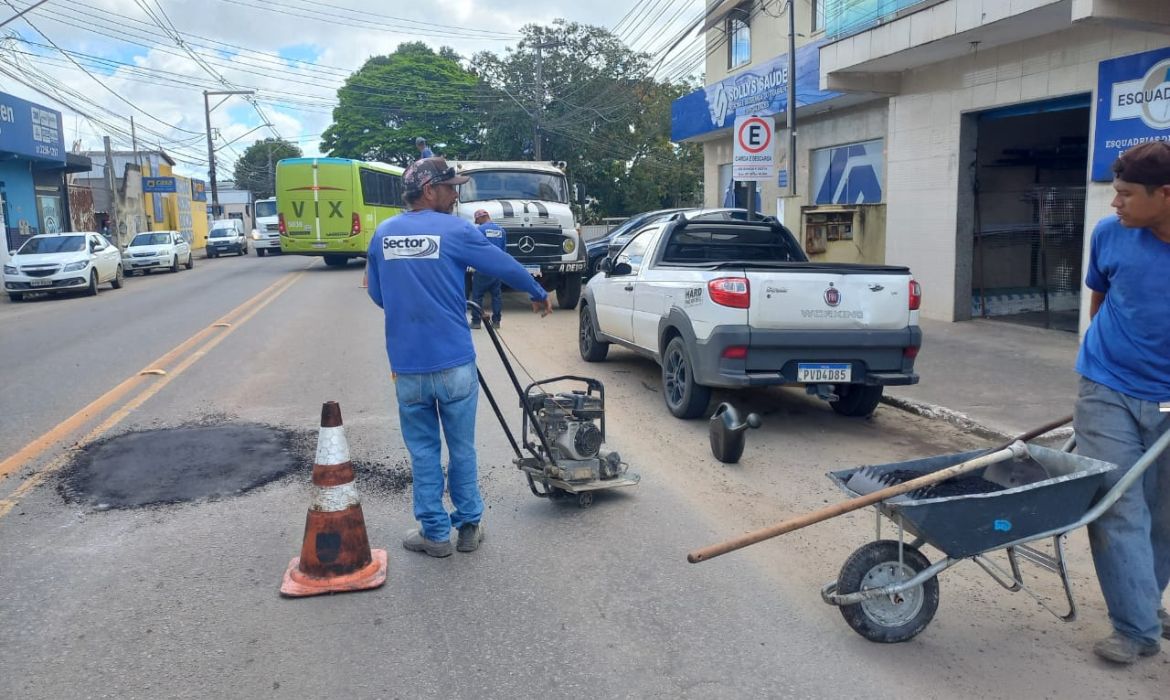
(411,247)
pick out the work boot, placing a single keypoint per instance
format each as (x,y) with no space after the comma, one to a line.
(470,535)
(1165,618)
(1121,649)
(415,541)
(474,323)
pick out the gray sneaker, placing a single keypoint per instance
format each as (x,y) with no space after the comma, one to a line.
(1165,618)
(416,542)
(470,535)
(1121,649)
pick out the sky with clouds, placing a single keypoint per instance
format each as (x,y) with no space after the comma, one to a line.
(101,61)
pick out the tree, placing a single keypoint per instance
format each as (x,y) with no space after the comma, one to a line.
(598,109)
(256,169)
(393,99)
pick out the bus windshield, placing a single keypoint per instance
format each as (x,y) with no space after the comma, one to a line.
(513,184)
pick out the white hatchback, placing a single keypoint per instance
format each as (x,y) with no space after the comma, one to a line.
(157,250)
(63,262)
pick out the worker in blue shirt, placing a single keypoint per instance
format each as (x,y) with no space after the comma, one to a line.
(481,282)
(424,151)
(417,261)
(1123,405)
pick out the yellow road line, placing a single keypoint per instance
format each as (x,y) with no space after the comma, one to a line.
(156,383)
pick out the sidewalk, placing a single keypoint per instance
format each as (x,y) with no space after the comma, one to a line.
(993,376)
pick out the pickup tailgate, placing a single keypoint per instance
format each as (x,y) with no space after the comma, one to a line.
(829,297)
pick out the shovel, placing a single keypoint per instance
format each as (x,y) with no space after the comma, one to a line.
(1013,450)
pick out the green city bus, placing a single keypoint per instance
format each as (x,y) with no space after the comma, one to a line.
(329,207)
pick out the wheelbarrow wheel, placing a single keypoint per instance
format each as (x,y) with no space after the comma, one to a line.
(887,619)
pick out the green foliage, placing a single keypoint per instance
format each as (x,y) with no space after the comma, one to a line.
(391,100)
(256,169)
(598,109)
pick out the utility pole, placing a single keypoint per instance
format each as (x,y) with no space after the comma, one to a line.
(536,115)
(134,143)
(271,173)
(207,109)
(790,113)
(112,215)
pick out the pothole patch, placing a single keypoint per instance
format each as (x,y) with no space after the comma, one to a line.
(177,465)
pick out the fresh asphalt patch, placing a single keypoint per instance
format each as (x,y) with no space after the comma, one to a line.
(211,460)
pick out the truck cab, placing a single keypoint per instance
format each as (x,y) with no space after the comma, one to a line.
(266,233)
(530,200)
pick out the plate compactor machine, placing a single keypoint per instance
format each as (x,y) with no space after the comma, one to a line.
(567,457)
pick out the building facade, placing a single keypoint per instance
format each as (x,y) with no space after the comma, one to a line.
(34,197)
(968,139)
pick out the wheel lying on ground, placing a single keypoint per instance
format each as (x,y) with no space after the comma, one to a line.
(683,396)
(857,400)
(592,349)
(887,619)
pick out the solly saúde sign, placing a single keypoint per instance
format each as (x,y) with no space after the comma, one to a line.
(1133,106)
(30,130)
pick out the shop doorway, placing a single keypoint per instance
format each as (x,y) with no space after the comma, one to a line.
(1028,192)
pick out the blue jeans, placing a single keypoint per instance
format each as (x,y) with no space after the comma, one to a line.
(481,284)
(1131,540)
(425,401)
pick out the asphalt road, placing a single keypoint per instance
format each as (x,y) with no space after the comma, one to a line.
(180,600)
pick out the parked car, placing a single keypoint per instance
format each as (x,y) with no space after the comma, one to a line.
(63,262)
(226,236)
(598,248)
(157,250)
(726,303)
(609,244)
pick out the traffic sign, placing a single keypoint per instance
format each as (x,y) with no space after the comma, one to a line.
(754,157)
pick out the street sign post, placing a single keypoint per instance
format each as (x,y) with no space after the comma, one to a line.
(754,158)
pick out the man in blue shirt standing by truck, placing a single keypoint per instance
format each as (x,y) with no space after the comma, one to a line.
(417,264)
(481,282)
(1123,405)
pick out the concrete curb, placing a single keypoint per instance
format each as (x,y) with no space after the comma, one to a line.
(962,420)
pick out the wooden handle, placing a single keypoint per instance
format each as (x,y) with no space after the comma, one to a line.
(1016,449)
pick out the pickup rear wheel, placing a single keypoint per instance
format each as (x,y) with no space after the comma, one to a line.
(592,349)
(683,396)
(857,400)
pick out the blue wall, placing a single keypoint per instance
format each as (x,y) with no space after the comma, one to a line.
(16,181)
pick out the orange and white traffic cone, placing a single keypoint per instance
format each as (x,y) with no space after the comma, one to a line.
(336,555)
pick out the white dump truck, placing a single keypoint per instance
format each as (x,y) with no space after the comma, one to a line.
(530,200)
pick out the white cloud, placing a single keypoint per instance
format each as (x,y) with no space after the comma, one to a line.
(296,98)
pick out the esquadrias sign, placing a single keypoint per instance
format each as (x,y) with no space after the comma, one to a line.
(1133,106)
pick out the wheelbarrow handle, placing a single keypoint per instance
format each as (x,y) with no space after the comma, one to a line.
(1015,450)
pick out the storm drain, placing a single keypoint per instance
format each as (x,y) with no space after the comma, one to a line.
(176,465)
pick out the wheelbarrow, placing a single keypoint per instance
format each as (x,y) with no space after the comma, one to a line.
(888,591)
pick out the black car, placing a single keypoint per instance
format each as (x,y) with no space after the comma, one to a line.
(597,249)
(613,241)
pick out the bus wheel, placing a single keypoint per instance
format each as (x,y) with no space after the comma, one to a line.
(336,260)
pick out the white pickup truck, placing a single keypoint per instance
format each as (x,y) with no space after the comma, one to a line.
(736,304)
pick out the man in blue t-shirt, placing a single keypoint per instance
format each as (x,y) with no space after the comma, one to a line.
(417,262)
(1123,405)
(481,282)
(424,151)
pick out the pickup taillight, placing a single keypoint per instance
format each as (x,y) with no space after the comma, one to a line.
(915,295)
(734,292)
(280,224)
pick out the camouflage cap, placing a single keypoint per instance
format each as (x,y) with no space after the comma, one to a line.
(430,171)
